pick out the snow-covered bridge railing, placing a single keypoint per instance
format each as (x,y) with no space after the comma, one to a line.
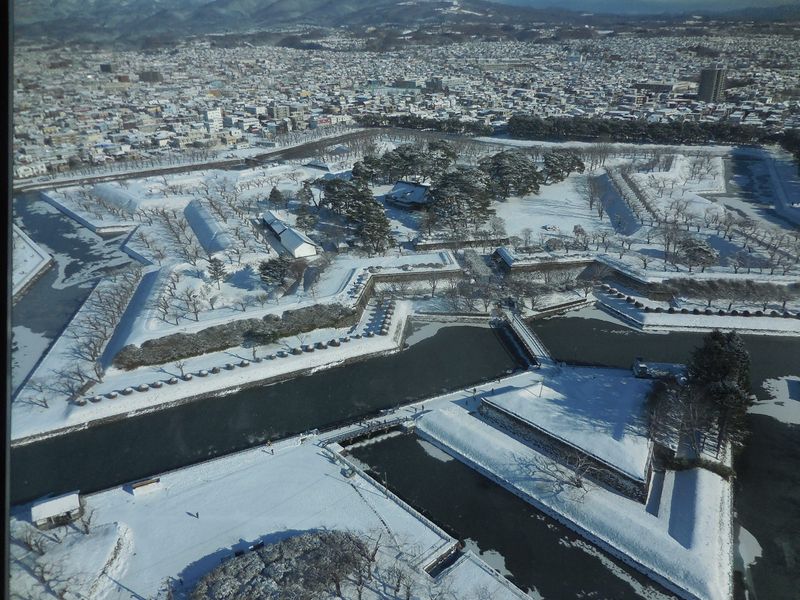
(359,430)
(529,339)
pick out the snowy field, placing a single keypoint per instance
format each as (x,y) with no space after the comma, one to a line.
(600,411)
(340,281)
(196,517)
(180,218)
(643,200)
(559,206)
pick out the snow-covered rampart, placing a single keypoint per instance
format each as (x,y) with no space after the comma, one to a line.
(28,261)
(690,554)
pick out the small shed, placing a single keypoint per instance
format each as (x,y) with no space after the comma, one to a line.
(143,486)
(504,257)
(409,194)
(54,512)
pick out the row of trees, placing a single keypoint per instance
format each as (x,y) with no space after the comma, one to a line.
(89,334)
(639,131)
(420,162)
(451,125)
(779,249)
(734,291)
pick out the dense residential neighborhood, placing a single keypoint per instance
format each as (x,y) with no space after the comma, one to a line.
(77,108)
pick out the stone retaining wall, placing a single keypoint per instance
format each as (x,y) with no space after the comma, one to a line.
(540,440)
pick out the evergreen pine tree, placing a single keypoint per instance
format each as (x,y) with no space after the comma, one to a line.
(276,198)
(306,219)
(719,373)
(216,270)
(274,271)
(374,229)
(305,195)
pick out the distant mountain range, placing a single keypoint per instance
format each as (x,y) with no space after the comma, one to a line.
(106,20)
(136,18)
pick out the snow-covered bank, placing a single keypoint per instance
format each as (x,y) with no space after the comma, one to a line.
(689,321)
(685,543)
(103,555)
(36,422)
(28,261)
(193,518)
(99,226)
(345,281)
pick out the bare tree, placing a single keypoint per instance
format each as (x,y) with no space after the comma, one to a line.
(243,302)
(86,521)
(181,366)
(32,540)
(38,386)
(527,237)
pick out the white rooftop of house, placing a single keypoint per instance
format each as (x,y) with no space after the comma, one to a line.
(288,235)
(599,411)
(293,239)
(53,507)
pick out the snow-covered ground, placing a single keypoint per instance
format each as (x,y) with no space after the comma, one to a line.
(196,517)
(338,283)
(682,537)
(342,282)
(227,206)
(560,206)
(678,321)
(28,347)
(600,411)
(103,551)
(27,260)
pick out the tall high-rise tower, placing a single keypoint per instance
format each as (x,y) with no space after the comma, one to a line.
(712,84)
